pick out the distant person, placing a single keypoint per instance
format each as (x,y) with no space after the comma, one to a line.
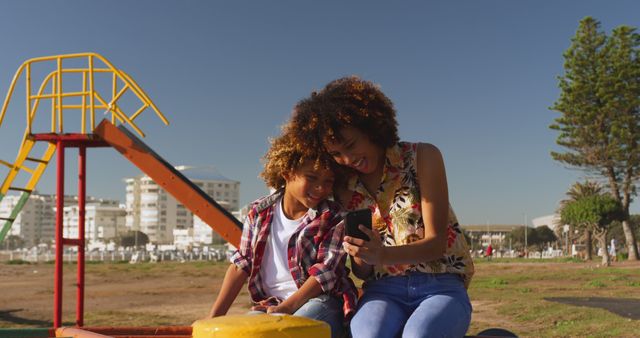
(600,251)
(291,250)
(489,252)
(416,265)
(612,250)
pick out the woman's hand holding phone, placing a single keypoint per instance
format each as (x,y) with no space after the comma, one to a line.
(370,252)
(367,248)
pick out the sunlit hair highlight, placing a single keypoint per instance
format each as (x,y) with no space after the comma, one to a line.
(288,153)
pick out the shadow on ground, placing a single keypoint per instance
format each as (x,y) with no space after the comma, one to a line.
(624,307)
(8,316)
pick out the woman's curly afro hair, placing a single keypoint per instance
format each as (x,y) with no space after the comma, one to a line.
(346,102)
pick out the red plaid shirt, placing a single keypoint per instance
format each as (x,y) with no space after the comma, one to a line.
(314,249)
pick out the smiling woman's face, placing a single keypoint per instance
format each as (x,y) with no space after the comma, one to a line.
(356,151)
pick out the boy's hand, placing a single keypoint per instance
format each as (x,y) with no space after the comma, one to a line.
(371,252)
(281,308)
(259,307)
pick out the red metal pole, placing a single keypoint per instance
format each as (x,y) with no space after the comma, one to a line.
(82,186)
(57,292)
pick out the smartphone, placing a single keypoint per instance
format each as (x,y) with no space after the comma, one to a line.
(355,218)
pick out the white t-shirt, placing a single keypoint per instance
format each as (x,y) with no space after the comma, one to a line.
(275,266)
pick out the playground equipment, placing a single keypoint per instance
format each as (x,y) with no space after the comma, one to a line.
(89,98)
(260,326)
(233,326)
(57,96)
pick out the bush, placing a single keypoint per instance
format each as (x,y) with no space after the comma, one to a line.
(17,262)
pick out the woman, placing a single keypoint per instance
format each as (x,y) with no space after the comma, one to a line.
(417,269)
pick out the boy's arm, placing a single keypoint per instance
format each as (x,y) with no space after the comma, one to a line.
(361,269)
(311,288)
(233,282)
(238,271)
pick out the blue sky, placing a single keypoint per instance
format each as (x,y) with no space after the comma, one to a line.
(475,78)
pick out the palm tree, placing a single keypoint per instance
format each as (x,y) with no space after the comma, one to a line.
(595,213)
(577,191)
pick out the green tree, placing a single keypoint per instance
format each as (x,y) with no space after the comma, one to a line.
(537,237)
(596,213)
(544,235)
(600,111)
(615,230)
(516,237)
(577,191)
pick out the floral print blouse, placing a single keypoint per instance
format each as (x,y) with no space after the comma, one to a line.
(397,216)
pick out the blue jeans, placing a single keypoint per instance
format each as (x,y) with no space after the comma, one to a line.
(327,309)
(415,305)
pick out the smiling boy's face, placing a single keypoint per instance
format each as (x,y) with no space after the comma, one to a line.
(305,188)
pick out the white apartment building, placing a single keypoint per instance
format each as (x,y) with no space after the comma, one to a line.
(183,238)
(153,211)
(484,234)
(204,234)
(36,222)
(104,220)
(200,234)
(242,213)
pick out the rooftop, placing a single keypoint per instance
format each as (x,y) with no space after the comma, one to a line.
(200,173)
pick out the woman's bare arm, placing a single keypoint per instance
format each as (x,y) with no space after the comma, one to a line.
(434,200)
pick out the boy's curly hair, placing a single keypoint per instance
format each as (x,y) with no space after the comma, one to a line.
(346,102)
(288,153)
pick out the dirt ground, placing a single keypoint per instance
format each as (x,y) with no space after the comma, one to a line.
(115,294)
(164,294)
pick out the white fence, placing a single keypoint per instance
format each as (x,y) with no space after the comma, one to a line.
(554,253)
(131,256)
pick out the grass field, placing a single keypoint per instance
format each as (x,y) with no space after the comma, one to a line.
(557,299)
(532,298)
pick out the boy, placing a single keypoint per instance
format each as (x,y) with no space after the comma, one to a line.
(291,248)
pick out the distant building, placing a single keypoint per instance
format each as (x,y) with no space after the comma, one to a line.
(36,222)
(551,221)
(242,213)
(183,238)
(204,234)
(104,220)
(483,234)
(153,211)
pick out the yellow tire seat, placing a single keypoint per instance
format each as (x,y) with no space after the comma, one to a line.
(260,326)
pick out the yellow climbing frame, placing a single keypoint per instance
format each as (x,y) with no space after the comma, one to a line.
(91,99)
